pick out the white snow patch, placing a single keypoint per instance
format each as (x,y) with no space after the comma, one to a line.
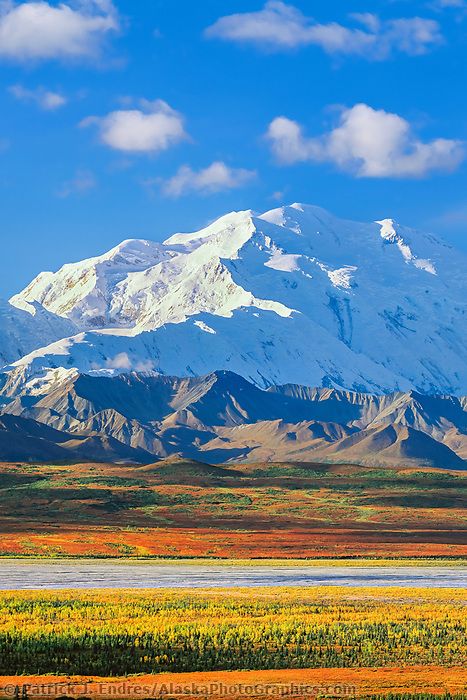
(283,262)
(204,327)
(389,233)
(426,265)
(342,277)
(46,379)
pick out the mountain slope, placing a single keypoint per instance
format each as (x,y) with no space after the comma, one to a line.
(390,445)
(82,291)
(22,331)
(22,439)
(223,418)
(291,296)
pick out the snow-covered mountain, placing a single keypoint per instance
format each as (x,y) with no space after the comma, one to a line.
(21,331)
(294,295)
(84,292)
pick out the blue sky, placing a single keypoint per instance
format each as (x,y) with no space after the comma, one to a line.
(138,119)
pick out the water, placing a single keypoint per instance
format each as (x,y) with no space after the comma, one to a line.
(22,575)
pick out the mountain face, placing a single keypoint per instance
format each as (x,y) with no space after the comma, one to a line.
(23,331)
(221,418)
(290,336)
(25,440)
(86,292)
(293,296)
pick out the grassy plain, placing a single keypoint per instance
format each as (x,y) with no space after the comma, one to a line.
(184,509)
(379,642)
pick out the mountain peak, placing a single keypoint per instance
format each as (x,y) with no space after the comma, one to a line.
(229,229)
(133,251)
(293,295)
(80,291)
(293,213)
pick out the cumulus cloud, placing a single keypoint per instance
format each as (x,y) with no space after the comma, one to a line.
(367,143)
(215,178)
(151,129)
(81,183)
(45,99)
(279,26)
(39,30)
(120,361)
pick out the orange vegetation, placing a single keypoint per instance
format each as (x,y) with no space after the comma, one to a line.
(356,682)
(91,540)
(185,509)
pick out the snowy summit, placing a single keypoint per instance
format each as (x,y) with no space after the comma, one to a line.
(294,295)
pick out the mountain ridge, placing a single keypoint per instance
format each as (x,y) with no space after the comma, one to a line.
(289,335)
(222,418)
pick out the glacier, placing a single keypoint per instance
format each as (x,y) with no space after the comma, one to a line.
(293,295)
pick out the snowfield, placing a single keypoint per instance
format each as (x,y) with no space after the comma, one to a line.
(294,295)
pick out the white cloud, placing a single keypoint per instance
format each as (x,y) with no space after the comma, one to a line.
(153,128)
(215,178)
(280,26)
(81,183)
(367,143)
(35,31)
(45,99)
(144,366)
(278,196)
(457,8)
(442,4)
(120,361)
